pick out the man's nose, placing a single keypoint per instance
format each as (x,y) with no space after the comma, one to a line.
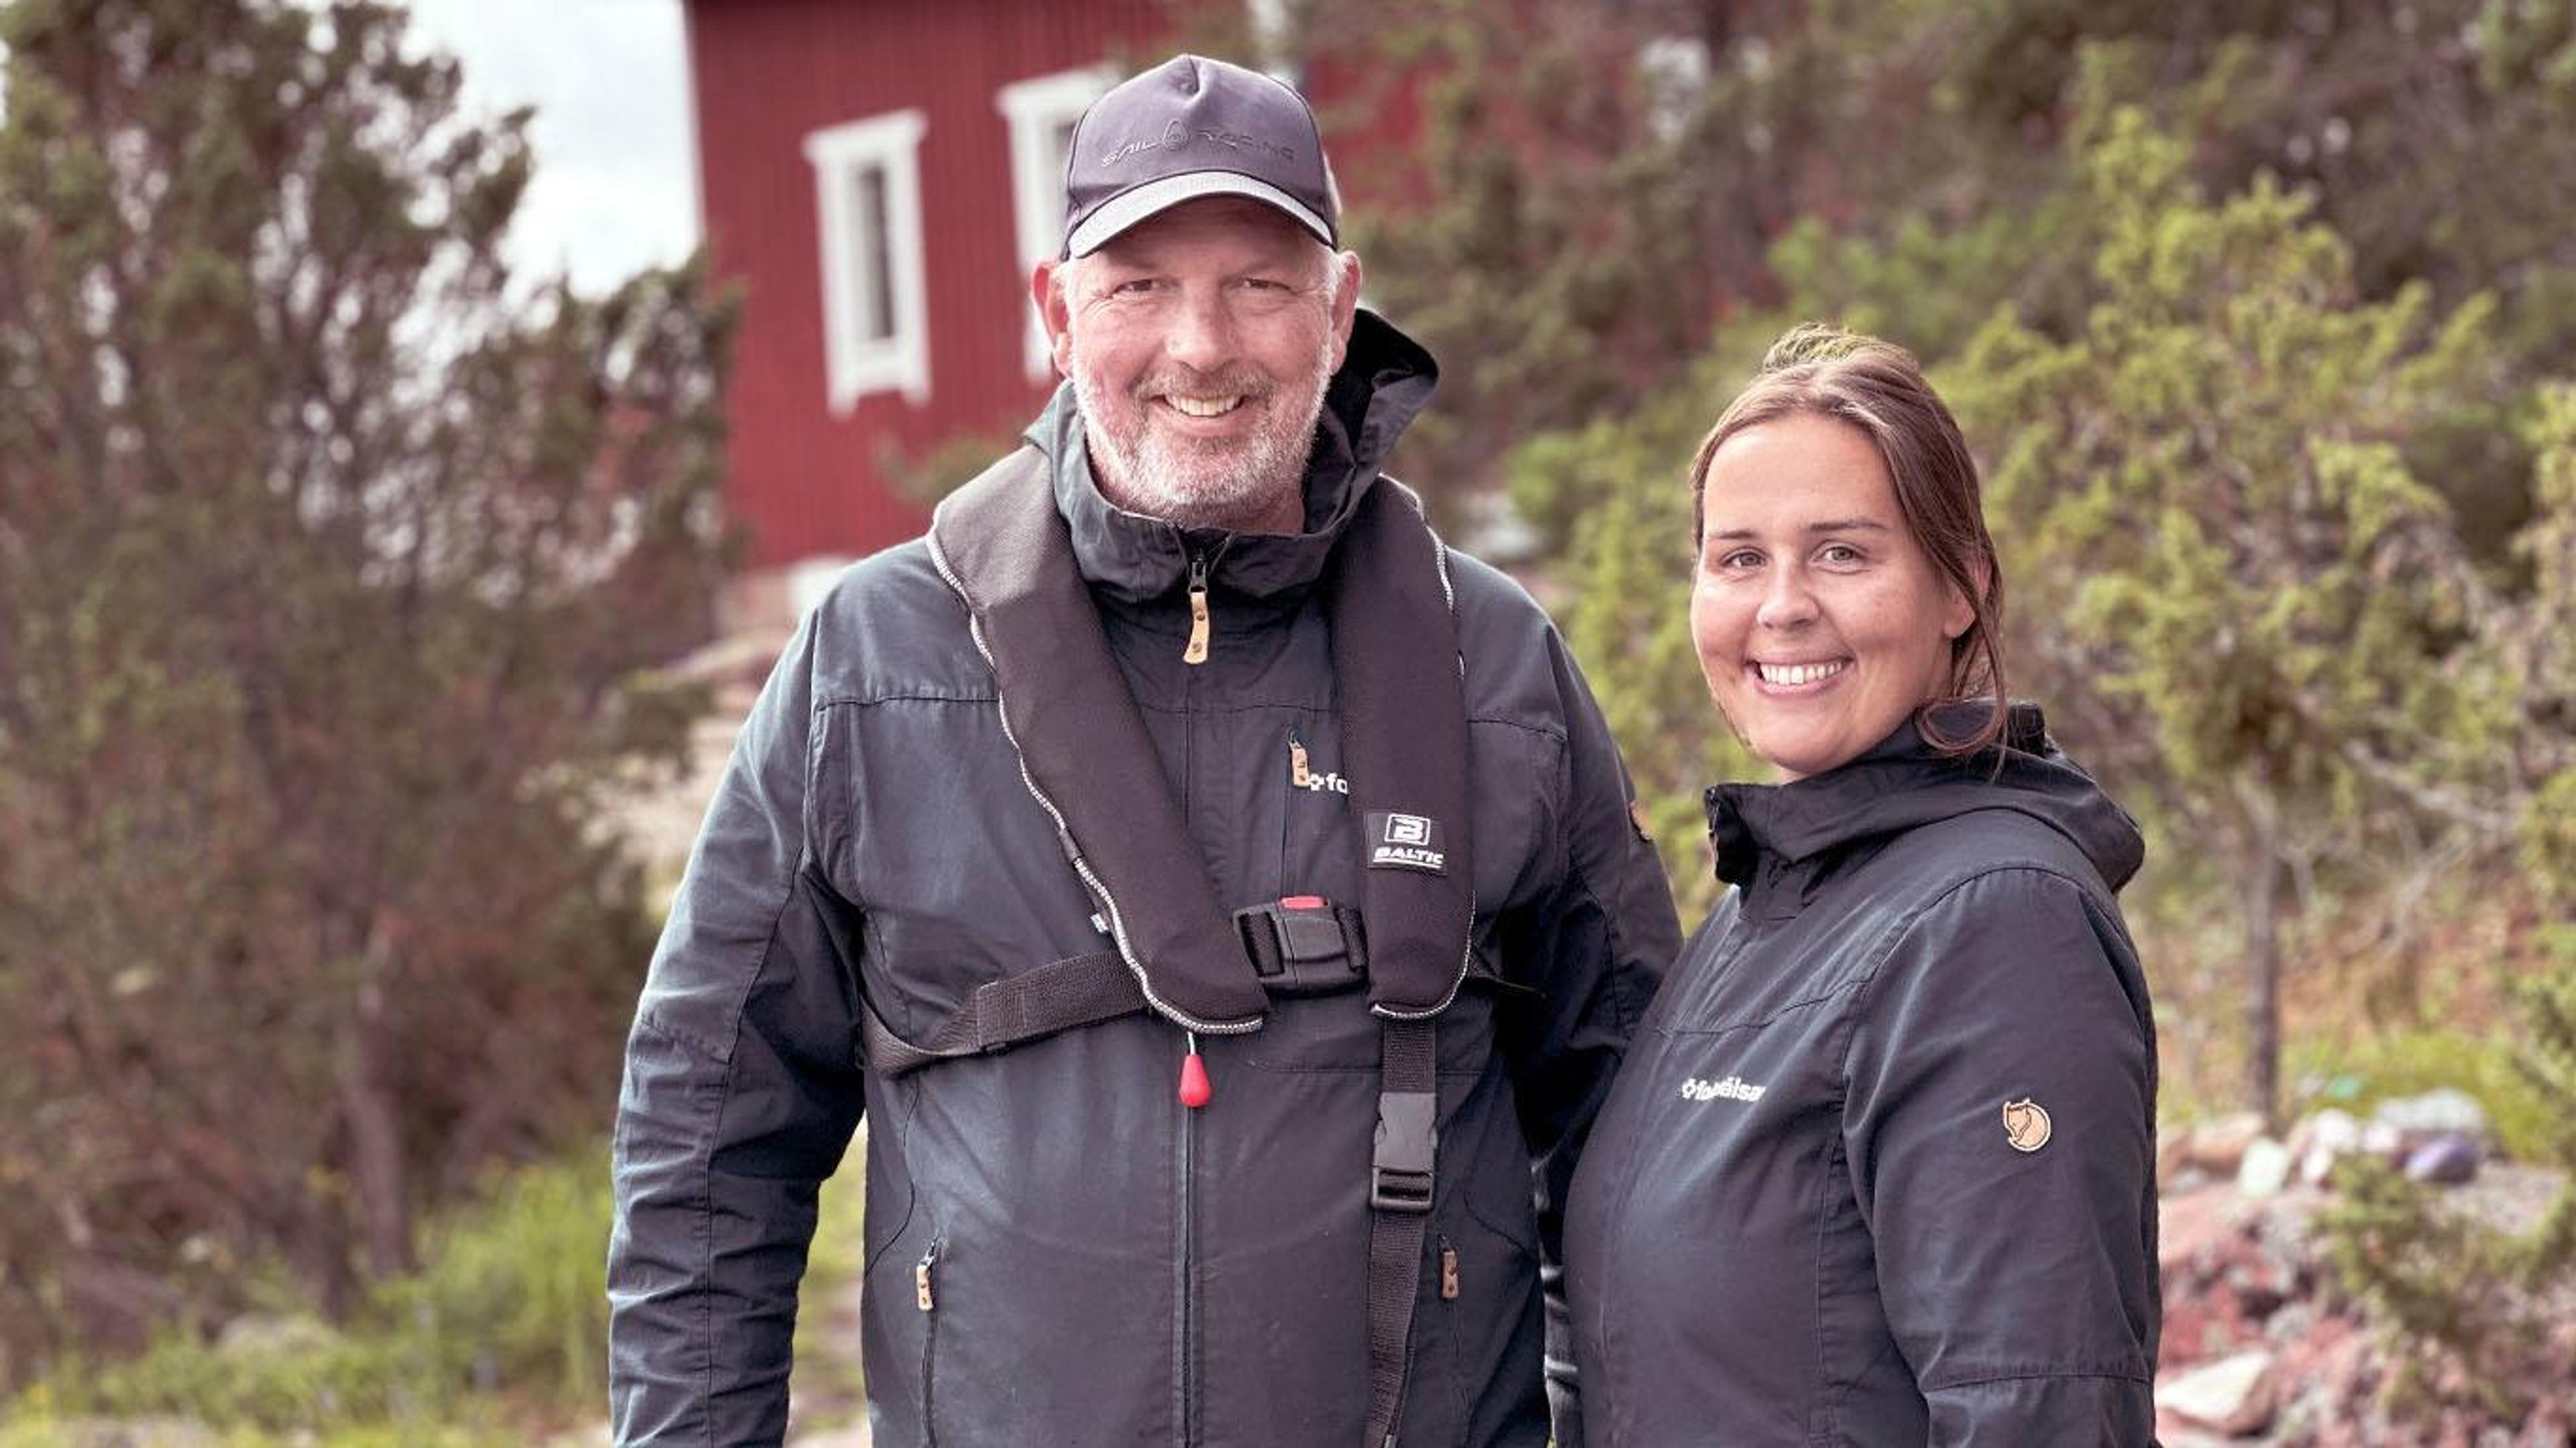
(1202,330)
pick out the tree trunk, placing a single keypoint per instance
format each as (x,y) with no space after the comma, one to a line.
(367,1109)
(2259,896)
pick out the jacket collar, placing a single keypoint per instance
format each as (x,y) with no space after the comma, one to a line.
(1903,782)
(1385,379)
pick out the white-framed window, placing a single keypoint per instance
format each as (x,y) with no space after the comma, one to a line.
(867,192)
(1672,71)
(1041,111)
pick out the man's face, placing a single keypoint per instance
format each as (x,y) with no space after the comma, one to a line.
(1199,342)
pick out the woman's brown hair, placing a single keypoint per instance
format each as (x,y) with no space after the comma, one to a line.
(1878,388)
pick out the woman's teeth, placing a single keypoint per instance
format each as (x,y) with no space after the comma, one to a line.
(1801,673)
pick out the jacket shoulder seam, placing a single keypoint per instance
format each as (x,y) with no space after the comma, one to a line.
(1866,979)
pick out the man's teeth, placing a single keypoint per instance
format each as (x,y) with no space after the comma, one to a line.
(1801,673)
(1204,406)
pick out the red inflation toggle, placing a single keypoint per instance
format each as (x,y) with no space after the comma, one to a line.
(1302,902)
(1194,1082)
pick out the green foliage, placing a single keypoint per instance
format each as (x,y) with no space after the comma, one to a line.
(2461,1304)
(1618,492)
(505,1326)
(2394,1247)
(334,571)
(2205,501)
(938,471)
(512,1301)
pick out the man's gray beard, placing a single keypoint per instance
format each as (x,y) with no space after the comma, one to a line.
(1202,491)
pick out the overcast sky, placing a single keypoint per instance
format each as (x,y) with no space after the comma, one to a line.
(616,179)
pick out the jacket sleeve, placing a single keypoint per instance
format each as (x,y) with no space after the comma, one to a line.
(2000,1131)
(738,1099)
(1592,951)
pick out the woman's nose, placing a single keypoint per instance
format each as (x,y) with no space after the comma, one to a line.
(1786,601)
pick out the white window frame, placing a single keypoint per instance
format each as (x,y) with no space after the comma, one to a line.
(1035,109)
(1673,71)
(856,364)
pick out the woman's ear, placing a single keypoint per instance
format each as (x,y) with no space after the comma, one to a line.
(1962,610)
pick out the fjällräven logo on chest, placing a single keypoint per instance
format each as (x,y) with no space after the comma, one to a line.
(1405,842)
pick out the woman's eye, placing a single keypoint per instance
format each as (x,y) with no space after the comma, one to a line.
(1839,553)
(1739,560)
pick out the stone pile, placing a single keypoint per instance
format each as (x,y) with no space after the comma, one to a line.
(2258,1347)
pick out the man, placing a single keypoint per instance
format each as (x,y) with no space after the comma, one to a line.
(1222,898)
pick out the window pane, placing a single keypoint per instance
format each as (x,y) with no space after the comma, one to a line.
(1059,149)
(876,257)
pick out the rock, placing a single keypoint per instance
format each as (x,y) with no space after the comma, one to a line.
(2448,1160)
(2441,1112)
(262,1335)
(2218,1147)
(2234,1395)
(2174,1171)
(2321,1141)
(2264,1169)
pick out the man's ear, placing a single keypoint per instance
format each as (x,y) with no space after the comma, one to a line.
(1047,286)
(1346,302)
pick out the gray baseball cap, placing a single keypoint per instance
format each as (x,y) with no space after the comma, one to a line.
(1188,128)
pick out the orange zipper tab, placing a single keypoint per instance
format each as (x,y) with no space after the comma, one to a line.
(1197,652)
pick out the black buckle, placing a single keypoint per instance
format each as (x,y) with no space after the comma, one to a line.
(1400,1161)
(1304,945)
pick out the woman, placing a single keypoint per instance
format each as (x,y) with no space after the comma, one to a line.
(1880,1166)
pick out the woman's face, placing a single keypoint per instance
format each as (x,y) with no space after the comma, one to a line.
(1820,622)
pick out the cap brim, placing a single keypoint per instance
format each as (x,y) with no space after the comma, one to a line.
(1154,197)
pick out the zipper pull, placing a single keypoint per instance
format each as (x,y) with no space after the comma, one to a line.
(1197,652)
(1448,1271)
(1195,1090)
(1298,774)
(921,1278)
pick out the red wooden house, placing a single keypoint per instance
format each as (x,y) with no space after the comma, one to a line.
(878,177)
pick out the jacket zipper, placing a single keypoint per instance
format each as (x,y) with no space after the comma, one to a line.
(1185,1325)
(1091,880)
(923,1299)
(1197,652)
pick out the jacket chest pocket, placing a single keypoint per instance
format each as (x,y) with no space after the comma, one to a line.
(953,864)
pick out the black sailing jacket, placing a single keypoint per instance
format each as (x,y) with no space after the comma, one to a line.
(1099,1265)
(1880,1167)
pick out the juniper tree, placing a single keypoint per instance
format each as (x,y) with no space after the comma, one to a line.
(333,573)
(2226,559)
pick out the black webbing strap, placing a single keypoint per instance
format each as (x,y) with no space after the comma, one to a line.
(1005,546)
(1400,1175)
(1081,990)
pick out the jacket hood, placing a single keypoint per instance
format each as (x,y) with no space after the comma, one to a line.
(1903,782)
(1384,380)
